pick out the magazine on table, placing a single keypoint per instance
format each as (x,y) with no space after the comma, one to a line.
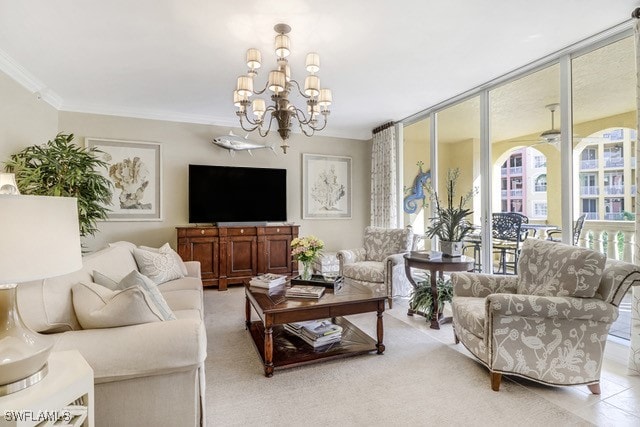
(268,280)
(303,291)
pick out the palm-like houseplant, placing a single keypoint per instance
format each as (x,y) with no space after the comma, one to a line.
(450,224)
(62,168)
(421,300)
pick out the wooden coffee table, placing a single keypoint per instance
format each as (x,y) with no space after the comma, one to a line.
(279,349)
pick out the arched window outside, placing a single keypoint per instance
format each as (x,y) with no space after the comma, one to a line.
(541,183)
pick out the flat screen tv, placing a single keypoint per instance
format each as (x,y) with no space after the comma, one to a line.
(225,194)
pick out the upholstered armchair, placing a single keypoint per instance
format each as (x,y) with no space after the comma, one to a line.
(550,322)
(379,264)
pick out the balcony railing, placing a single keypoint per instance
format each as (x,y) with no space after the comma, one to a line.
(516,193)
(589,164)
(503,171)
(504,193)
(616,162)
(614,189)
(614,238)
(614,216)
(589,190)
(541,188)
(516,170)
(591,215)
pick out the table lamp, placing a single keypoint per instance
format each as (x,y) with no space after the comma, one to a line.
(39,238)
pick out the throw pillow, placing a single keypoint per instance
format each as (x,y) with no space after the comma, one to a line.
(160,266)
(548,268)
(99,307)
(135,278)
(105,281)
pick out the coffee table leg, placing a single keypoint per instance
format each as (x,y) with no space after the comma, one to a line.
(434,298)
(268,351)
(380,331)
(247,309)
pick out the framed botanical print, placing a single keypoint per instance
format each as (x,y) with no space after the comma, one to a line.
(135,170)
(326,187)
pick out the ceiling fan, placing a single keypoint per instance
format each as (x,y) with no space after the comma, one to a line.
(553,136)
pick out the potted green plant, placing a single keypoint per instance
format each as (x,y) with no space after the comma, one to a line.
(421,300)
(450,224)
(64,169)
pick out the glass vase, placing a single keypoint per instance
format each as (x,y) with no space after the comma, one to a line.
(306,270)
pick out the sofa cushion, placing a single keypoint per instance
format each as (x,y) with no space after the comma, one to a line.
(46,305)
(379,242)
(183,300)
(367,271)
(160,266)
(549,268)
(189,283)
(99,307)
(470,313)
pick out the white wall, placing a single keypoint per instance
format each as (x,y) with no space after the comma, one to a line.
(184,143)
(24,119)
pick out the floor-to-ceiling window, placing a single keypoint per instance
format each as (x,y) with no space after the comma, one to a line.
(416,174)
(604,147)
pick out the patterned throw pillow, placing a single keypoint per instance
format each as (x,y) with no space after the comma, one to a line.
(98,307)
(160,266)
(548,268)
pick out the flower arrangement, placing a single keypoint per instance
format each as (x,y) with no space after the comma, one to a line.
(306,249)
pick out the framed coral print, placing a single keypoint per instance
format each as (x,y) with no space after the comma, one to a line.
(135,170)
(326,187)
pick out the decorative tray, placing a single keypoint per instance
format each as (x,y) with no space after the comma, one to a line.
(318,280)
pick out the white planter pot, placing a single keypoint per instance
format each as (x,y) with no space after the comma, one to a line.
(451,249)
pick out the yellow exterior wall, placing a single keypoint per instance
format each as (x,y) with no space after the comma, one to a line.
(415,149)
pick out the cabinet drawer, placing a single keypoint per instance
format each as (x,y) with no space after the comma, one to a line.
(198,232)
(242,231)
(278,230)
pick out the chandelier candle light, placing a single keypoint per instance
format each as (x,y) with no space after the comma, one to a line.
(280,84)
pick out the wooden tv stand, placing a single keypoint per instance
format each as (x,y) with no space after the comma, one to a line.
(232,255)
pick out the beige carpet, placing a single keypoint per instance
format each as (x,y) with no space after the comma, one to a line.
(418,381)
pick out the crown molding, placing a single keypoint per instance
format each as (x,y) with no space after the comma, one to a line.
(18,73)
(171,116)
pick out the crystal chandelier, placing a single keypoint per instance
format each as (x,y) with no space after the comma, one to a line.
(280,84)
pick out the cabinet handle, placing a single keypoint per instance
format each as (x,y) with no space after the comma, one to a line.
(242,231)
(277,230)
(201,231)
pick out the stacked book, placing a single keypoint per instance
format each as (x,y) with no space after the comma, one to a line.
(316,333)
(305,291)
(268,280)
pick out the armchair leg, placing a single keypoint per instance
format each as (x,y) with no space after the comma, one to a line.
(594,388)
(496,377)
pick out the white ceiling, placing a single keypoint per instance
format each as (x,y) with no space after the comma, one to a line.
(178,60)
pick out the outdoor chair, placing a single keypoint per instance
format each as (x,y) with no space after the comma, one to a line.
(556,235)
(506,230)
(550,322)
(379,264)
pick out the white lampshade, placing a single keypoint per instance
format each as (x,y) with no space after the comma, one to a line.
(282,46)
(245,85)
(237,99)
(254,59)
(8,184)
(277,81)
(325,98)
(259,107)
(312,85)
(313,62)
(40,237)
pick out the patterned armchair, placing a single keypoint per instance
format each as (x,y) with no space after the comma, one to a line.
(550,322)
(379,264)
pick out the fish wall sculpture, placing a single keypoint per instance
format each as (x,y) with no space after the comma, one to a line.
(233,143)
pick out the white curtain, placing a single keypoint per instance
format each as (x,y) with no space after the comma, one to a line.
(634,353)
(384,211)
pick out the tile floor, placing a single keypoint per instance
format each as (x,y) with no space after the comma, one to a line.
(618,405)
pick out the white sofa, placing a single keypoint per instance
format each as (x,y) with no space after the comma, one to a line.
(149,374)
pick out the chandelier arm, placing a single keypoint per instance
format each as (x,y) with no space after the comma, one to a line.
(298,87)
(305,132)
(256,126)
(324,125)
(260,92)
(268,129)
(304,120)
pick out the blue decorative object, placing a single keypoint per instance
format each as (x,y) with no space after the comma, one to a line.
(417,191)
